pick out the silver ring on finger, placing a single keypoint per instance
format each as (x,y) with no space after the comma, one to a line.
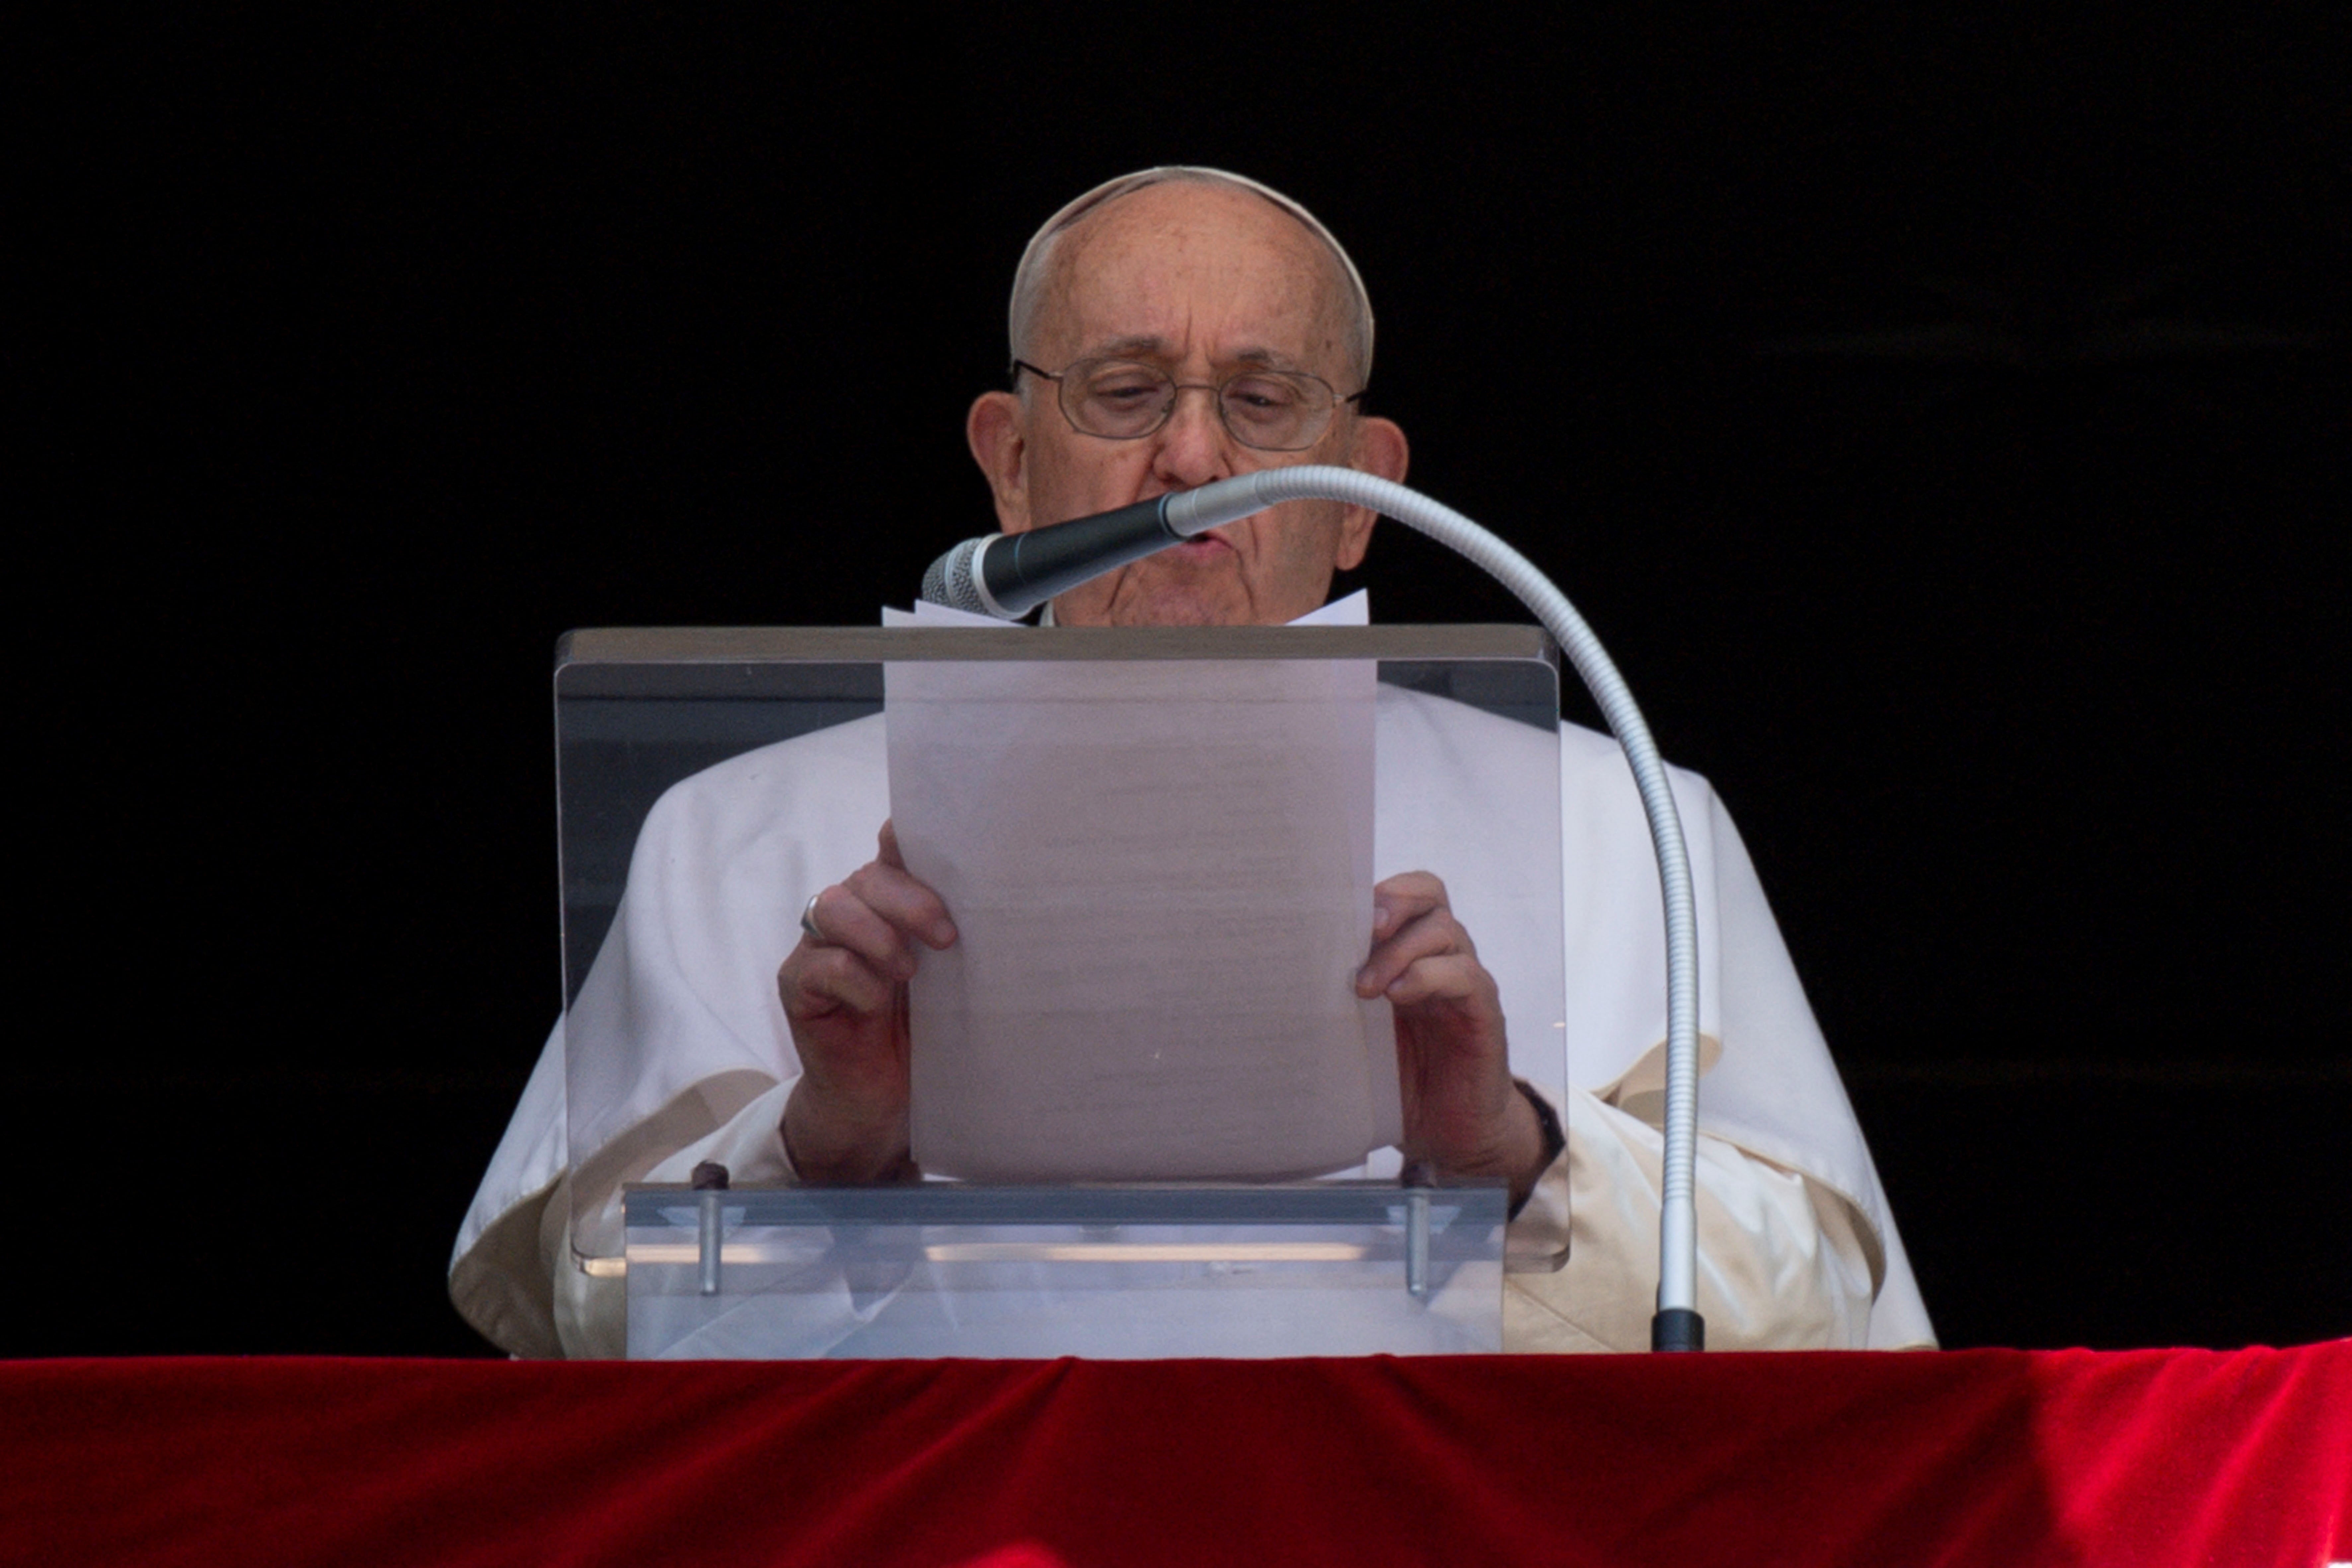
(808,920)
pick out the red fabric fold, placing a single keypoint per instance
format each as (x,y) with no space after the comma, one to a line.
(2186,1457)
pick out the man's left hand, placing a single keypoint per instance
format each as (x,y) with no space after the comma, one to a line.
(1463,1115)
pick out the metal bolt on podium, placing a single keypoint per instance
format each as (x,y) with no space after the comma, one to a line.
(1416,1243)
(710,1181)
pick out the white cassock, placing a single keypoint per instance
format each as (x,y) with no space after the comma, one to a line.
(686,1056)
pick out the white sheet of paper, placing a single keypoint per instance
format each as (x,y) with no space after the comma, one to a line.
(1162,875)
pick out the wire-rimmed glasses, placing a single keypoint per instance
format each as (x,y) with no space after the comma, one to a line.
(1126,400)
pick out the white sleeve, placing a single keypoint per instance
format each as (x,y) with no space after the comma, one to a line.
(1781,1264)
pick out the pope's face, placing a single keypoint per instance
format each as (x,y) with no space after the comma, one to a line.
(1203,282)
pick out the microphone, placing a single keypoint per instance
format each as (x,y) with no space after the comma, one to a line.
(1009,574)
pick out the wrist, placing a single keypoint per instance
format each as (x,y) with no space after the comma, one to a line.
(828,1149)
(1549,1141)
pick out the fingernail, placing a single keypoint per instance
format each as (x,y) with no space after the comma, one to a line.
(943,934)
(1381,917)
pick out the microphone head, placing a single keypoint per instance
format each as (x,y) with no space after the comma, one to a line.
(956,582)
(949,579)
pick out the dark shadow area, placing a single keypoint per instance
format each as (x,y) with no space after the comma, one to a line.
(2118,1207)
(307,1214)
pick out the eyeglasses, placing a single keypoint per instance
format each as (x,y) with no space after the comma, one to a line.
(1126,400)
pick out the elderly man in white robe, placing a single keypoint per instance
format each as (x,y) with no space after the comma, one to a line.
(1150,320)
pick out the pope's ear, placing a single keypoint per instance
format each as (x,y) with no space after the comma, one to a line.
(1380,449)
(997,430)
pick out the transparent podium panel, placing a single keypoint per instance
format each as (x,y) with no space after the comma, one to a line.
(710,781)
(949,1269)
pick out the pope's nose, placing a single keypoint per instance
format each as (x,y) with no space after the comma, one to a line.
(1193,443)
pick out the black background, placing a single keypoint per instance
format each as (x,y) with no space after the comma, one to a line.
(1944,423)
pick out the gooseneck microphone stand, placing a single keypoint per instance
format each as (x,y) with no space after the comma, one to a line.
(974,577)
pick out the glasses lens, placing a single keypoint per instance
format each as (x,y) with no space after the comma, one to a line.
(1274,411)
(1115,397)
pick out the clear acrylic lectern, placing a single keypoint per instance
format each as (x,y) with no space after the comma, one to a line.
(1180,1226)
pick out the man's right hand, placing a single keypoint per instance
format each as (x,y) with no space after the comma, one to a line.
(845,996)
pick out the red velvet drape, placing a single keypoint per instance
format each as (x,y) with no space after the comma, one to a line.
(2178,1456)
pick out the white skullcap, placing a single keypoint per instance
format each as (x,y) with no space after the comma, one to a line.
(1025,283)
